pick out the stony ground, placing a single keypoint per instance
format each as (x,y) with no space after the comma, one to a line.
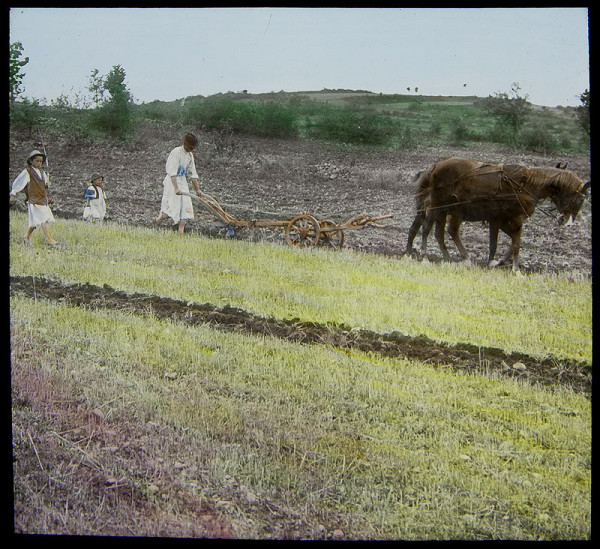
(278,179)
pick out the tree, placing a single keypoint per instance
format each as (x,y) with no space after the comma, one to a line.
(510,110)
(15,74)
(114,84)
(96,87)
(114,116)
(583,112)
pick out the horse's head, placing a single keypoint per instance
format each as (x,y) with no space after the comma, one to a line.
(569,202)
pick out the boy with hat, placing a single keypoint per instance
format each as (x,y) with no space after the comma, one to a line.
(34,181)
(95,208)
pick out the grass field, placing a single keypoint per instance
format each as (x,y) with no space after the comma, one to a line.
(390,448)
(538,314)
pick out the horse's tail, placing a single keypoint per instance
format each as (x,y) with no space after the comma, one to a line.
(418,175)
(424,184)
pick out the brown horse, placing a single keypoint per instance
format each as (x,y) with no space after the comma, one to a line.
(504,196)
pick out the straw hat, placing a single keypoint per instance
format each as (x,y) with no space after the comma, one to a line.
(34,153)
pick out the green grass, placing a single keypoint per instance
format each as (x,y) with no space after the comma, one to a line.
(541,314)
(395,448)
(398,449)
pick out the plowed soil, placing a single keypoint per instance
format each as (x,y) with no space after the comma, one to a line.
(278,179)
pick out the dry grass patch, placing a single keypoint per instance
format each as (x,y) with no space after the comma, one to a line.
(382,448)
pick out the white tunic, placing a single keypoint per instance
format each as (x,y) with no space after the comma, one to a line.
(95,210)
(36,213)
(180,164)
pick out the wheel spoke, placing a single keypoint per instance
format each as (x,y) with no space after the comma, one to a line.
(302,231)
(330,236)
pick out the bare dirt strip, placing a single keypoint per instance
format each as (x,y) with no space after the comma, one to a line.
(467,358)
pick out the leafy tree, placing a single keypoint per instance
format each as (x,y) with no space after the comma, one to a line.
(114,84)
(15,73)
(583,112)
(114,116)
(511,110)
(96,87)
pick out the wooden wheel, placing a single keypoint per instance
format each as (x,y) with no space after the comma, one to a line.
(302,231)
(331,236)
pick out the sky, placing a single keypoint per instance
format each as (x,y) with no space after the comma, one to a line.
(172,53)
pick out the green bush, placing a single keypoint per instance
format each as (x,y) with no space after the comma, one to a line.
(158,111)
(261,119)
(539,137)
(112,119)
(26,114)
(378,121)
(345,125)
(460,131)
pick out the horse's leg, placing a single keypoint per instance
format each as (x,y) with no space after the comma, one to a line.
(494,228)
(516,247)
(453,228)
(412,232)
(506,257)
(514,232)
(440,229)
(427,225)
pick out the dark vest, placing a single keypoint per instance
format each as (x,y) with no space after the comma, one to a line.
(36,188)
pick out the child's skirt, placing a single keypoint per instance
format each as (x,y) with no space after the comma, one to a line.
(38,214)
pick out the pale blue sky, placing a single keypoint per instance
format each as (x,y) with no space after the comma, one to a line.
(170,53)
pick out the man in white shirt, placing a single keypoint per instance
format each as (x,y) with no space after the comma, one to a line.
(180,165)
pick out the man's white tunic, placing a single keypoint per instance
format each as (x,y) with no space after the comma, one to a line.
(180,164)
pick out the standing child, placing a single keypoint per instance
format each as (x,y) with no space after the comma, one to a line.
(34,181)
(95,208)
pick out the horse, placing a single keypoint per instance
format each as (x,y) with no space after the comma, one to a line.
(503,195)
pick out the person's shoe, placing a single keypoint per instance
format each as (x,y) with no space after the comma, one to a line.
(230,232)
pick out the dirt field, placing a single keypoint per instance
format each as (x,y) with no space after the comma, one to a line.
(277,179)
(253,179)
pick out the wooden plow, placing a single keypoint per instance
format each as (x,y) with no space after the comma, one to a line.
(303,231)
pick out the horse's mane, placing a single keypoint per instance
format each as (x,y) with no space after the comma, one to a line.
(563,180)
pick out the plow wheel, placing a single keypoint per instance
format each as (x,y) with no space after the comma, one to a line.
(331,236)
(302,231)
